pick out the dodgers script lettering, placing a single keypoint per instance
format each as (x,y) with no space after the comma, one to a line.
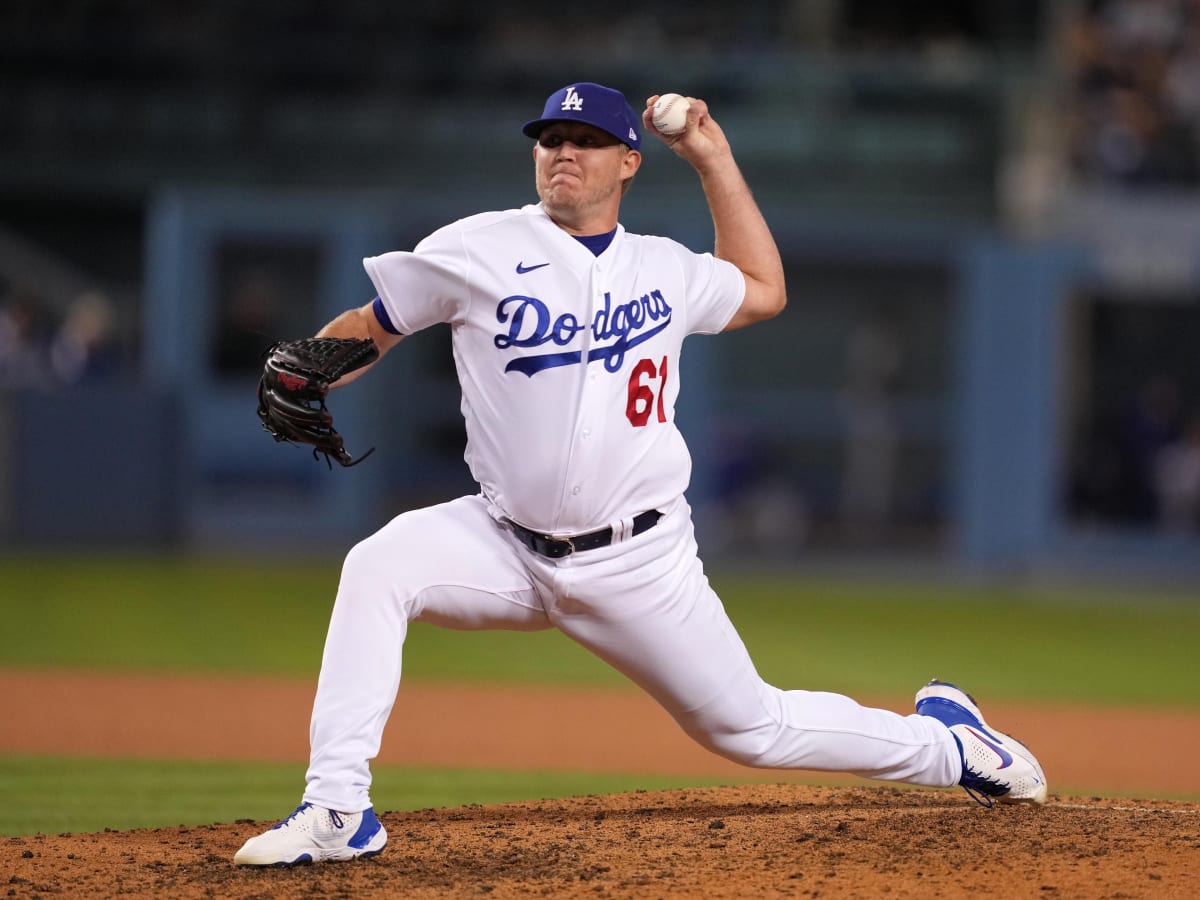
(615,330)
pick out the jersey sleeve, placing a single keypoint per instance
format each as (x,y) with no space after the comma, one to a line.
(424,286)
(715,290)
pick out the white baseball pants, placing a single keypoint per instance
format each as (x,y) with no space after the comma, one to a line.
(644,605)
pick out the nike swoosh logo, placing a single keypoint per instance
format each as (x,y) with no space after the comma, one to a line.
(1006,759)
(522,269)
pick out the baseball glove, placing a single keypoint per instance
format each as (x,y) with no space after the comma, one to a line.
(291,394)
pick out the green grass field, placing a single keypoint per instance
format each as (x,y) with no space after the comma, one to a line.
(1101,647)
(61,794)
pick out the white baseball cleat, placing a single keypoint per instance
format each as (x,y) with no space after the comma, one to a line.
(994,764)
(315,834)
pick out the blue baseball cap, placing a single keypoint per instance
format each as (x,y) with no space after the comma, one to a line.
(591,104)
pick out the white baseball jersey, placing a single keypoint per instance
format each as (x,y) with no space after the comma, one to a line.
(568,361)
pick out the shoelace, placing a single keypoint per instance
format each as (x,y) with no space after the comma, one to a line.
(982,799)
(335,818)
(295,812)
(981,789)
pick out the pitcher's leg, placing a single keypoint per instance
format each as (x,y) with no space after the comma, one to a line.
(696,666)
(651,613)
(760,725)
(448,564)
(757,724)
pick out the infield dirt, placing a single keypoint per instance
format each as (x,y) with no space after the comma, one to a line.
(765,840)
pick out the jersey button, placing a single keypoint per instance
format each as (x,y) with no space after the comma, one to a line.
(587,432)
(576,489)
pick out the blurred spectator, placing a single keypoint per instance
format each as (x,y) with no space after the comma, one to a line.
(1134,111)
(1177,480)
(1182,80)
(23,342)
(1138,24)
(85,347)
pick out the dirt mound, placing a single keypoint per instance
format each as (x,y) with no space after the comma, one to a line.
(752,841)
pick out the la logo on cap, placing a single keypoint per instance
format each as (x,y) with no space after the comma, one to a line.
(605,108)
(572,100)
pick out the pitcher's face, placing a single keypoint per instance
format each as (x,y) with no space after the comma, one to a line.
(579,170)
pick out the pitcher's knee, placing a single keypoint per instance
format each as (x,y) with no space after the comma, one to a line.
(363,563)
(369,579)
(748,746)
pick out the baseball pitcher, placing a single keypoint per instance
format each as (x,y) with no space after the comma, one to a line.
(567,333)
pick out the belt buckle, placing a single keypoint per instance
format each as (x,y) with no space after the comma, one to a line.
(558,542)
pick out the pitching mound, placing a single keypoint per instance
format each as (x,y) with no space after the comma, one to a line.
(757,841)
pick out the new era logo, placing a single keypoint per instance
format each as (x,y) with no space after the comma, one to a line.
(572,101)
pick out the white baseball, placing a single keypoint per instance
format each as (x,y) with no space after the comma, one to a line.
(670,113)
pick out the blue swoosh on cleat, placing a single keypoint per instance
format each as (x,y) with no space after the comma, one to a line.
(1005,757)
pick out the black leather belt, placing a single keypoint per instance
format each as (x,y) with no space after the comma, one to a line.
(556,548)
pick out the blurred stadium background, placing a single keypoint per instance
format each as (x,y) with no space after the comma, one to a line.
(989,213)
